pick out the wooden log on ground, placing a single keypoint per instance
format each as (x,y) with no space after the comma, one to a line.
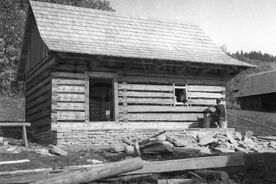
(94,174)
(184,152)
(191,164)
(14,161)
(213,175)
(141,178)
(175,181)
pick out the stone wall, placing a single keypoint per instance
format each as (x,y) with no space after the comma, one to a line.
(90,138)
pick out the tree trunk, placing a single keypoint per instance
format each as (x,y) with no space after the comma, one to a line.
(94,174)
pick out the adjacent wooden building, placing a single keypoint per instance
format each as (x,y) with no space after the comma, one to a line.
(258,92)
(93,77)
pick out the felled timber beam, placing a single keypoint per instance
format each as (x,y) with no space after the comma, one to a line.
(94,174)
(191,164)
(14,162)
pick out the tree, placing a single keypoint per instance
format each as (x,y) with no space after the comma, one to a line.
(12,18)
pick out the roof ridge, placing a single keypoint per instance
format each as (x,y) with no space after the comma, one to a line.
(122,15)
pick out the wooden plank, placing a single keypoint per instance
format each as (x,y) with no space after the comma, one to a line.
(176,181)
(206,95)
(39,114)
(39,78)
(124,111)
(69,106)
(145,94)
(14,162)
(164,116)
(87,101)
(38,108)
(206,88)
(24,136)
(191,164)
(69,75)
(70,89)
(70,115)
(202,102)
(40,92)
(69,82)
(109,125)
(38,86)
(155,108)
(116,98)
(42,122)
(40,68)
(169,79)
(147,101)
(64,97)
(145,87)
(106,75)
(37,101)
(9,123)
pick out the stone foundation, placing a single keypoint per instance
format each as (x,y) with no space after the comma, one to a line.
(110,137)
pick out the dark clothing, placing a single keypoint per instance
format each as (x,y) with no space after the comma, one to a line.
(220,111)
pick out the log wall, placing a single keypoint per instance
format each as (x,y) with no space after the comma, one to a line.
(145,101)
(38,97)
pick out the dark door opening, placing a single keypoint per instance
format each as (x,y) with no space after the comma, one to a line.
(101,99)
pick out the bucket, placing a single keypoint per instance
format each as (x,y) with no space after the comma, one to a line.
(222,124)
(204,122)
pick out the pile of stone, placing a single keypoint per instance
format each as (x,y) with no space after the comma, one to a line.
(196,143)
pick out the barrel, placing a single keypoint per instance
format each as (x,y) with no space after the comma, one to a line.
(204,122)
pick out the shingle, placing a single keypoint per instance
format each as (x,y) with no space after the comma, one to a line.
(95,32)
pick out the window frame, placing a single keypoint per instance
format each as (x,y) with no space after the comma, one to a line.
(101,75)
(175,103)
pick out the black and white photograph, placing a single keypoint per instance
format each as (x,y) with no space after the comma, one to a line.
(137,92)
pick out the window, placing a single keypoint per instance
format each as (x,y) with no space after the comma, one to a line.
(101,96)
(181,95)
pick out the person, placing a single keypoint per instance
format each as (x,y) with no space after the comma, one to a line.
(220,114)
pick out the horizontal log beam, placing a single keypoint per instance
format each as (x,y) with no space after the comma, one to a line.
(69,106)
(191,164)
(145,87)
(146,94)
(111,125)
(147,101)
(164,117)
(154,108)
(206,88)
(10,123)
(68,81)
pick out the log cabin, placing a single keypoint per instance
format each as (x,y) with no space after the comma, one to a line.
(93,77)
(257,92)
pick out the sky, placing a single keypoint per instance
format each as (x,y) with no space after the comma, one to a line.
(248,25)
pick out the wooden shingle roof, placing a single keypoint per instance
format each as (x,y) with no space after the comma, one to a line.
(257,84)
(87,31)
